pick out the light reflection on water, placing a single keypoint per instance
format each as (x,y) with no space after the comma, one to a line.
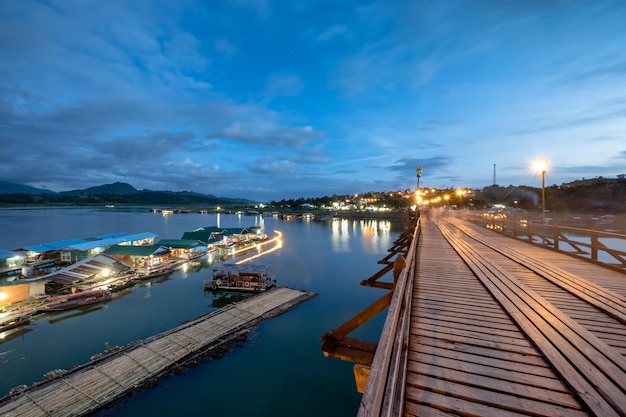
(281,369)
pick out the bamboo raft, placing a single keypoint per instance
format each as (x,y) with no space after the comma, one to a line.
(99,383)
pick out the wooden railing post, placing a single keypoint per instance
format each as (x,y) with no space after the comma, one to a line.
(594,244)
(555,236)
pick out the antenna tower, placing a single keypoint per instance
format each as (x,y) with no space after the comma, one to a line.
(494,174)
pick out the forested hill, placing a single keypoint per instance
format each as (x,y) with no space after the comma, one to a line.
(116,194)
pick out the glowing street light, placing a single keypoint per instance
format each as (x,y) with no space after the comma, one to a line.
(419,174)
(541,165)
(417,190)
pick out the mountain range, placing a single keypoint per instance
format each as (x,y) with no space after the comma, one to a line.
(119,192)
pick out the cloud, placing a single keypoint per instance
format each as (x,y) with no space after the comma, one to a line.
(268,134)
(333,33)
(284,85)
(224,46)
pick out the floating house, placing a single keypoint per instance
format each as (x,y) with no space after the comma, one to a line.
(16,291)
(184,248)
(223,235)
(47,251)
(96,267)
(139,256)
(87,249)
(10,263)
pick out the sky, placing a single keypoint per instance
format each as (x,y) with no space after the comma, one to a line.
(271,100)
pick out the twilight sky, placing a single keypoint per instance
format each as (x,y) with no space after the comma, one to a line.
(267,99)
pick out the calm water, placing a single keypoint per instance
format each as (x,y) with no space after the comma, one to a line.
(279,371)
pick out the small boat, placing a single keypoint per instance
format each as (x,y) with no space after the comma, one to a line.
(157,271)
(14,320)
(76,300)
(121,284)
(239,281)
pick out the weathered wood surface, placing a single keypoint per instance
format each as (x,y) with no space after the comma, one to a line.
(91,386)
(524,332)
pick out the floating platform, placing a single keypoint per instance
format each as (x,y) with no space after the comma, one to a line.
(101,382)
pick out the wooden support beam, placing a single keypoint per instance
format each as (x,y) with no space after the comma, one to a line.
(361,375)
(373,278)
(356,321)
(351,350)
(376,284)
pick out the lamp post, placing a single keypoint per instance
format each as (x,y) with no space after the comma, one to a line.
(541,165)
(419,174)
(417,190)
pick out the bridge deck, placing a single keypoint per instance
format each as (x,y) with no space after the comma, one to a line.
(522,331)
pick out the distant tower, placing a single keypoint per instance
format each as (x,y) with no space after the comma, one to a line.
(494,174)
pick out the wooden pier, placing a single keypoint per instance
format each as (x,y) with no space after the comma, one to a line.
(481,324)
(94,385)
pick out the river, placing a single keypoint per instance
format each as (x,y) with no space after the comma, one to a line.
(278,371)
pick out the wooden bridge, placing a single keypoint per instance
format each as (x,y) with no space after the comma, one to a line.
(482,324)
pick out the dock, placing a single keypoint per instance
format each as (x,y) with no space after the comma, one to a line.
(483,324)
(101,382)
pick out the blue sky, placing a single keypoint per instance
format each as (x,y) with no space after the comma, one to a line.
(267,99)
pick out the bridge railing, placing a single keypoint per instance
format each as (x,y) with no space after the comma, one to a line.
(598,246)
(384,393)
(380,368)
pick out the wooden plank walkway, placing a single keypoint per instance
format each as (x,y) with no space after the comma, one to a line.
(511,333)
(92,386)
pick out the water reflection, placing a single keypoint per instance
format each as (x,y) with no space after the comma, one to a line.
(340,235)
(13,333)
(375,235)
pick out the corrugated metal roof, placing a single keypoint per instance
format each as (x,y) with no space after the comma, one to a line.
(87,268)
(201,235)
(214,234)
(139,236)
(92,244)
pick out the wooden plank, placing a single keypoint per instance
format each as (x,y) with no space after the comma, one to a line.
(563,347)
(481,347)
(468,406)
(498,394)
(532,365)
(431,335)
(541,377)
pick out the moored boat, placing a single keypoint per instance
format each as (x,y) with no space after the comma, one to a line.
(76,300)
(122,284)
(244,281)
(14,320)
(157,271)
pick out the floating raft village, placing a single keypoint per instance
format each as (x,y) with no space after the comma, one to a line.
(101,382)
(33,275)
(69,274)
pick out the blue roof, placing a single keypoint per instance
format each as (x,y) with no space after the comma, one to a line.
(86,244)
(138,236)
(92,244)
(6,254)
(46,247)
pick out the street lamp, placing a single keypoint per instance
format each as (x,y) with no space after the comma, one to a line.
(417,190)
(541,165)
(419,174)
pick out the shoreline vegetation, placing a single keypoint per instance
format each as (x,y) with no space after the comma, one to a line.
(598,196)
